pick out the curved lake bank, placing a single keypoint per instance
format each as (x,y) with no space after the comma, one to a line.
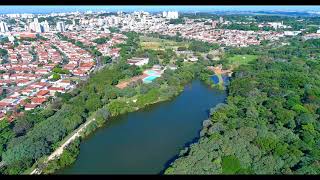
(143,142)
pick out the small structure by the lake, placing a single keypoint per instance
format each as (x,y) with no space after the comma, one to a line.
(138,61)
(147,77)
(124,84)
(218,70)
(220,76)
(153,73)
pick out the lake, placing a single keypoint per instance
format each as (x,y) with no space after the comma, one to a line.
(144,142)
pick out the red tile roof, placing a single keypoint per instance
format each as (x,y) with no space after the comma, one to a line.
(42,92)
(31,106)
(38,100)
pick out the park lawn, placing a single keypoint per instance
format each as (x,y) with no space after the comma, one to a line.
(151,45)
(159,44)
(238,60)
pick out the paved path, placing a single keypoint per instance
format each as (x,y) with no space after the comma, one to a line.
(60,149)
(76,134)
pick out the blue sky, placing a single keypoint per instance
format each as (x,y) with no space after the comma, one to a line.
(48,9)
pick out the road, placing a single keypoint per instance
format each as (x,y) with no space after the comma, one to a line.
(17,88)
(60,149)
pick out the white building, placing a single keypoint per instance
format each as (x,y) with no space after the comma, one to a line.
(311,36)
(100,22)
(164,14)
(45,26)
(13,15)
(138,61)
(37,26)
(291,33)
(275,25)
(318,31)
(171,15)
(11,38)
(3,27)
(61,26)
(26,15)
(221,20)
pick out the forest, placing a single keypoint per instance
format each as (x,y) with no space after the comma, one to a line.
(269,123)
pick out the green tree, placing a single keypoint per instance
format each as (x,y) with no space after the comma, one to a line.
(56,77)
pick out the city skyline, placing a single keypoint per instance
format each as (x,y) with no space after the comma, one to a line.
(61,9)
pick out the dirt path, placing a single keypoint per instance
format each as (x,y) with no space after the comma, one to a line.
(60,149)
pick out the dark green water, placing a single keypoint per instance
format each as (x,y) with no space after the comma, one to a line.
(143,142)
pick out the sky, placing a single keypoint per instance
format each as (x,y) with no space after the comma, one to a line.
(50,9)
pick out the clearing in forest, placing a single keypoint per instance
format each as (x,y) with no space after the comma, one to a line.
(159,44)
(238,60)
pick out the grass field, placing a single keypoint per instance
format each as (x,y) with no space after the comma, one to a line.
(159,44)
(238,60)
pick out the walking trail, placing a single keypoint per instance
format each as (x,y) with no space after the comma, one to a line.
(60,149)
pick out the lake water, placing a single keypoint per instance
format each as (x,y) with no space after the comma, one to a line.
(144,142)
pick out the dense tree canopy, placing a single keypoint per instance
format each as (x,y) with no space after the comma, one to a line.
(177,21)
(199,46)
(246,27)
(269,124)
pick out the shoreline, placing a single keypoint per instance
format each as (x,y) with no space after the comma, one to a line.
(83,134)
(95,127)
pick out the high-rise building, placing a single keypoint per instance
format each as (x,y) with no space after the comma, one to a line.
(221,20)
(26,27)
(45,26)
(35,20)
(60,26)
(115,20)
(214,24)
(31,27)
(3,27)
(100,22)
(37,26)
(171,15)
(11,38)
(164,14)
